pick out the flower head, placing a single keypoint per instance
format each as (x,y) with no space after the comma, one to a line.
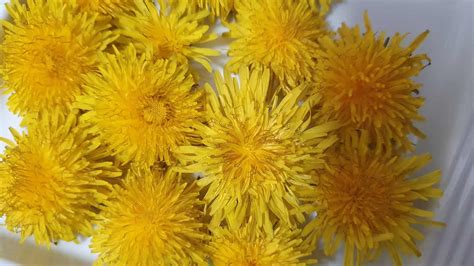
(249,246)
(254,154)
(47,47)
(368,202)
(366,82)
(153,218)
(168,33)
(53,179)
(142,109)
(281,35)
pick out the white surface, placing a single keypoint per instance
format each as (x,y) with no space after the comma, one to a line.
(449,126)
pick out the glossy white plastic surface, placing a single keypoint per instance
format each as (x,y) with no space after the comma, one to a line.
(448,88)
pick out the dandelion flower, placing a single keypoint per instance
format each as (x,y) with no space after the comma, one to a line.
(251,246)
(153,218)
(142,109)
(368,203)
(168,33)
(52,179)
(366,83)
(47,46)
(281,35)
(254,155)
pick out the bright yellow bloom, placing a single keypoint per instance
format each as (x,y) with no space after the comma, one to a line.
(110,7)
(142,109)
(256,154)
(168,33)
(47,47)
(53,179)
(279,34)
(366,202)
(153,218)
(366,82)
(249,246)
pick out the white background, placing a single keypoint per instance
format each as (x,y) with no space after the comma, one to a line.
(449,126)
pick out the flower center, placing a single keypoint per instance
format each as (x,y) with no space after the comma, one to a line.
(165,41)
(36,181)
(157,111)
(246,152)
(252,262)
(253,254)
(55,62)
(247,155)
(365,87)
(360,198)
(277,35)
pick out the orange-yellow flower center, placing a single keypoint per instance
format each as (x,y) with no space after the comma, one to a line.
(277,36)
(166,43)
(359,198)
(248,154)
(157,111)
(280,34)
(253,254)
(251,262)
(365,90)
(35,180)
(54,61)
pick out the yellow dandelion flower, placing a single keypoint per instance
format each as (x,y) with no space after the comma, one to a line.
(53,179)
(153,218)
(168,33)
(142,109)
(47,46)
(366,82)
(255,154)
(368,203)
(281,35)
(250,246)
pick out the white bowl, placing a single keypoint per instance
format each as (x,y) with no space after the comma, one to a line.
(448,88)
